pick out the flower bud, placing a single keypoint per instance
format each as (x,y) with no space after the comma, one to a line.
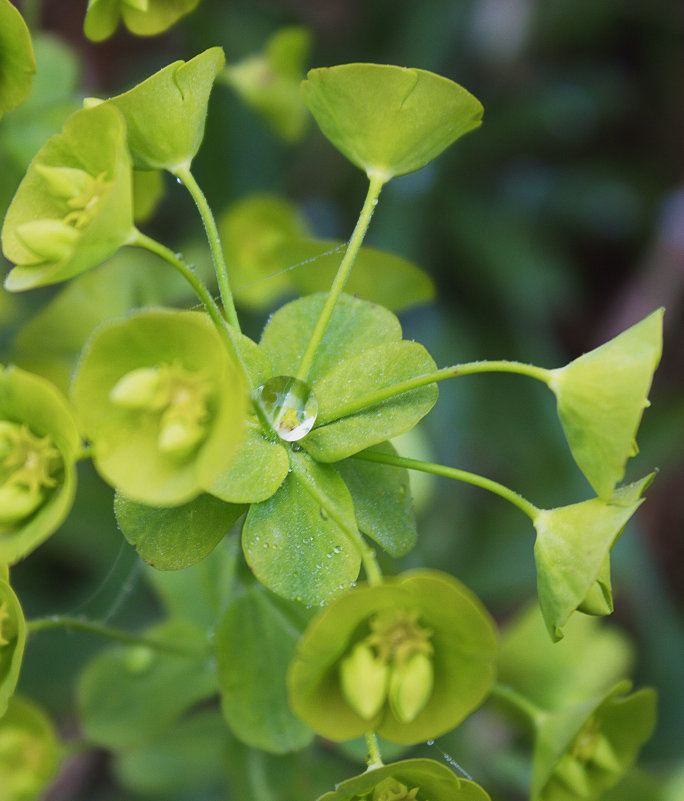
(392,790)
(178,438)
(363,679)
(63,182)
(50,240)
(410,686)
(138,389)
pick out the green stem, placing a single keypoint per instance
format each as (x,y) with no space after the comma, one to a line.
(373,760)
(225,331)
(451,472)
(100,630)
(376,184)
(214,243)
(354,405)
(518,703)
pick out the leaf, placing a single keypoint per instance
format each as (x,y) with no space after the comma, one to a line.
(434,780)
(17,62)
(389,120)
(462,635)
(174,538)
(338,434)
(73,209)
(382,502)
(130,695)
(187,758)
(165,114)
(354,326)
(571,548)
(33,409)
(102,16)
(127,439)
(601,397)
(255,642)
(29,754)
(269,82)
(256,472)
(12,642)
(297,541)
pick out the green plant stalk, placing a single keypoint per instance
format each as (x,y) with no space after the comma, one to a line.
(371,201)
(370,563)
(358,404)
(211,229)
(204,295)
(100,630)
(451,472)
(373,760)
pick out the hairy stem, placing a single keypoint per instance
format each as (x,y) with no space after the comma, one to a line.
(357,404)
(376,184)
(214,243)
(100,630)
(451,472)
(373,760)
(226,333)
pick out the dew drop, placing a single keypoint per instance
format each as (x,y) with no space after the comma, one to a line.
(289,405)
(178,181)
(430,742)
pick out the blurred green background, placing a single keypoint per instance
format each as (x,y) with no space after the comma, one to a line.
(553,227)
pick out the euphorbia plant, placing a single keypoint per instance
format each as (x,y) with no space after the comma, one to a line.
(195,425)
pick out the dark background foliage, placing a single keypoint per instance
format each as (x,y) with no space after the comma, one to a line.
(553,227)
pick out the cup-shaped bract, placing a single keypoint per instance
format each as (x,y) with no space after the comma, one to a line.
(269,81)
(165,114)
(389,120)
(39,445)
(17,62)
(408,780)
(601,397)
(12,641)
(29,753)
(162,402)
(572,550)
(74,207)
(581,752)
(141,17)
(336,682)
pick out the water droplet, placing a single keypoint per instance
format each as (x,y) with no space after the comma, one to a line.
(289,405)
(178,181)
(430,742)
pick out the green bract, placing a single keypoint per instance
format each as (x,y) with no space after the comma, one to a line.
(28,751)
(389,120)
(580,752)
(572,550)
(162,403)
(142,17)
(17,63)
(73,208)
(175,538)
(409,658)
(601,397)
(165,114)
(39,444)
(409,780)
(269,81)
(12,641)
